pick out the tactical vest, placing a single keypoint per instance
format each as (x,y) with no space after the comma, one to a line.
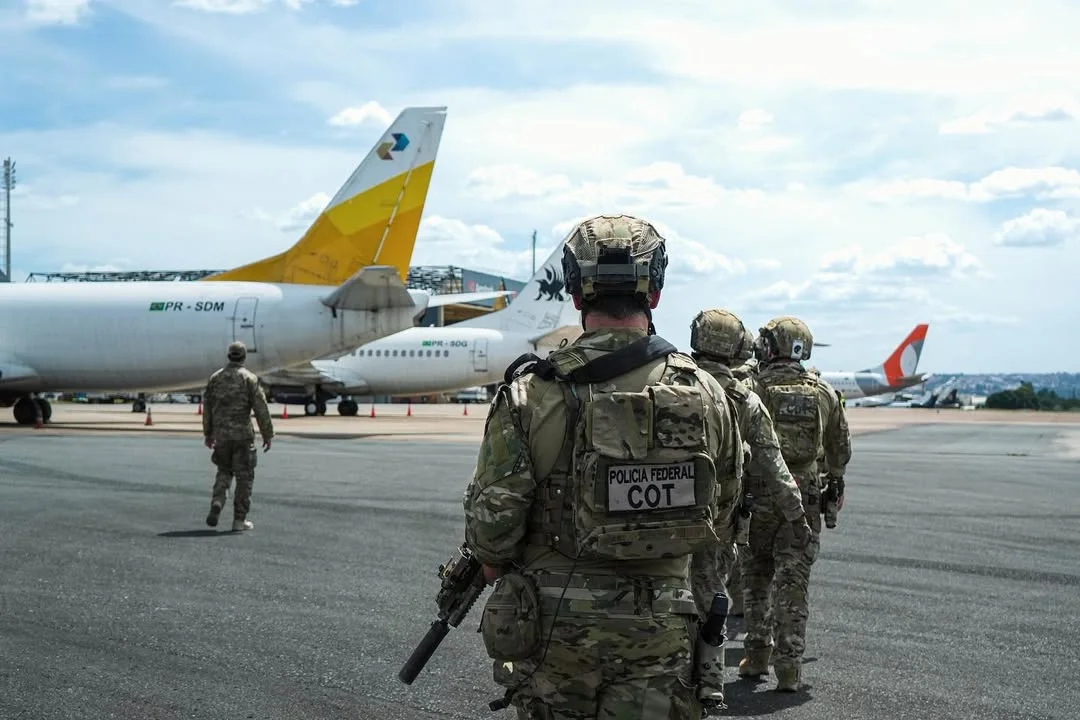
(793,404)
(636,478)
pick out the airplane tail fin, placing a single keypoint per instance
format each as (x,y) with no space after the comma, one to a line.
(904,360)
(372,220)
(542,305)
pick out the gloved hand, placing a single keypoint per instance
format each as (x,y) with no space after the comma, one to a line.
(800,533)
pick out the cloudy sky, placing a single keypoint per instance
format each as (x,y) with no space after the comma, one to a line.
(868,166)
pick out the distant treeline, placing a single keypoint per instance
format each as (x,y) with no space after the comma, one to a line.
(1026,397)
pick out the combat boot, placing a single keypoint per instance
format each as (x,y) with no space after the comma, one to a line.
(755,664)
(212,518)
(787,677)
(238,525)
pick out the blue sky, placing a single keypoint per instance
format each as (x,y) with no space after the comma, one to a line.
(861,167)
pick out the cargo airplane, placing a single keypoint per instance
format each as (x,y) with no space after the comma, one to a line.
(424,360)
(341,285)
(893,375)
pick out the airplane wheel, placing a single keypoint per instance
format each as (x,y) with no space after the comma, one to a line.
(311,408)
(46,409)
(25,411)
(138,406)
(348,408)
(320,407)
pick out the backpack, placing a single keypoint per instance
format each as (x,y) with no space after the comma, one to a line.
(642,478)
(793,404)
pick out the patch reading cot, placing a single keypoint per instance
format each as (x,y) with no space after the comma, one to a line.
(632,488)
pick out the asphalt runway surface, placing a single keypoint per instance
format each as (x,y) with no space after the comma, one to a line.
(950,589)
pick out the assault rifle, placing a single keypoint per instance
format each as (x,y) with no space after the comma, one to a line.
(462,583)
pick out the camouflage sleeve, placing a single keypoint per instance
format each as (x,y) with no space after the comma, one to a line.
(498,498)
(208,409)
(262,412)
(837,436)
(767,463)
(729,460)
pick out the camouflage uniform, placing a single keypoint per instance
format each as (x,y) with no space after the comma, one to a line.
(615,637)
(232,393)
(734,584)
(719,341)
(809,420)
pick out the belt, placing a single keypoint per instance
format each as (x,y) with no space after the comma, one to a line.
(612,595)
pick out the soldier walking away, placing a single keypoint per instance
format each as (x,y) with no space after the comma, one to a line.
(232,394)
(603,468)
(809,420)
(720,344)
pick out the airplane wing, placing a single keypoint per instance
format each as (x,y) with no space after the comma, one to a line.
(327,374)
(372,288)
(13,371)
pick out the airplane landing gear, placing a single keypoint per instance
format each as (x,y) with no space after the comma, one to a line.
(348,407)
(139,404)
(26,410)
(313,406)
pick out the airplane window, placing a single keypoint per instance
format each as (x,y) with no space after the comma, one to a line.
(446,353)
(378,353)
(395,353)
(412,353)
(429,353)
(369,352)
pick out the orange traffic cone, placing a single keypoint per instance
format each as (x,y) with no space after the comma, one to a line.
(149,419)
(372,410)
(199,411)
(408,411)
(465,412)
(284,411)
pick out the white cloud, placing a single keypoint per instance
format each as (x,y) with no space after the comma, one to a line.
(228,7)
(934,254)
(754,119)
(649,187)
(854,280)
(1042,183)
(1022,111)
(58,12)
(298,217)
(448,241)
(1039,228)
(369,112)
(244,7)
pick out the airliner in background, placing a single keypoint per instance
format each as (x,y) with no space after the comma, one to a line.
(896,373)
(424,360)
(341,285)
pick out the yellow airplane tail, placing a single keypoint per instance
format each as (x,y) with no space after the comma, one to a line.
(373,219)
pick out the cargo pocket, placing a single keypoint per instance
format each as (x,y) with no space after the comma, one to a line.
(510,624)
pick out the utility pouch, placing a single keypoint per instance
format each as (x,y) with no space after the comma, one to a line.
(253,456)
(510,625)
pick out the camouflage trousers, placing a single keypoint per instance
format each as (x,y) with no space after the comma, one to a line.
(776,579)
(234,458)
(620,663)
(710,571)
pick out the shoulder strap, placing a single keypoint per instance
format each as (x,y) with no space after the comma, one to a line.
(613,364)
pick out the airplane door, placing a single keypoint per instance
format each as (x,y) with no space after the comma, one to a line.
(244,322)
(480,355)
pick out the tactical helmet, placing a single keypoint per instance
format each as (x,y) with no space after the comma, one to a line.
(720,333)
(614,255)
(237,351)
(786,338)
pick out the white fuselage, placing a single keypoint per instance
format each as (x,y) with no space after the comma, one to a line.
(162,336)
(422,360)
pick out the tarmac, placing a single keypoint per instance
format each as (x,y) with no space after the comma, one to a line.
(950,588)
